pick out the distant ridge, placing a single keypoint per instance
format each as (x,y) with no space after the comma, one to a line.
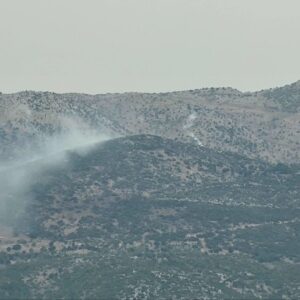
(216,89)
(262,124)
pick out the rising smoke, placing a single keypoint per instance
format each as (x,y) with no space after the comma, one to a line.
(188,125)
(18,176)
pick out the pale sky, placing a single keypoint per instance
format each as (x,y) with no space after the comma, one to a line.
(99,46)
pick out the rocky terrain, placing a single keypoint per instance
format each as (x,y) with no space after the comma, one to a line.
(264,125)
(180,195)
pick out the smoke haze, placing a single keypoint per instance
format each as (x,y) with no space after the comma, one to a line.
(18,176)
(188,125)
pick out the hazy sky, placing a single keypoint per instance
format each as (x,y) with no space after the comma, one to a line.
(98,46)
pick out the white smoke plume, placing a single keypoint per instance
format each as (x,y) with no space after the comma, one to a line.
(17,176)
(190,121)
(188,125)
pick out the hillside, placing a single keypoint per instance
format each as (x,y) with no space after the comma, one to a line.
(261,125)
(146,216)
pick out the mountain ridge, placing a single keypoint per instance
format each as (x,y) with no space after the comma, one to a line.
(229,88)
(261,125)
